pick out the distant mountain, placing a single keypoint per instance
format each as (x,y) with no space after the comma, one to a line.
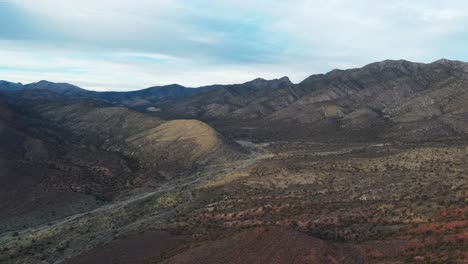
(140,99)
(388,99)
(59,88)
(150,99)
(240,101)
(9,86)
(146,98)
(260,83)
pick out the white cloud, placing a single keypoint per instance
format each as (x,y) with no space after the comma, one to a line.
(133,44)
(115,71)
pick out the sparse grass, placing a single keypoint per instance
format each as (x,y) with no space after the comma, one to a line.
(366,197)
(224,179)
(168,200)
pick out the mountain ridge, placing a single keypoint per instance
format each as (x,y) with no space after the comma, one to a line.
(376,100)
(44,84)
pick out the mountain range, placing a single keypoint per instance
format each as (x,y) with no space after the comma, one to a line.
(380,100)
(85,172)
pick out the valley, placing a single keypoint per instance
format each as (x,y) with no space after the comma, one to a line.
(366,165)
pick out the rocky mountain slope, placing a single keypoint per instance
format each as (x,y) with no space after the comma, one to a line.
(388,99)
(241,101)
(410,100)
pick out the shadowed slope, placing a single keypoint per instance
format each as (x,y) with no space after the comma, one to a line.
(273,245)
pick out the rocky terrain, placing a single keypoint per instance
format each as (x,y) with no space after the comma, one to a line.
(365,165)
(389,100)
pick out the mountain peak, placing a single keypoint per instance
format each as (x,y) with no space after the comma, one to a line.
(59,88)
(260,83)
(10,86)
(285,79)
(400,64)
(165,87)
(443,60)
(450,63)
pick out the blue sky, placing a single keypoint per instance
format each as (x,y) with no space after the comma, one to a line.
(129,45)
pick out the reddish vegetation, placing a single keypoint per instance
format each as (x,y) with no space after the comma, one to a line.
(270,245)
(444,239)
(436,228)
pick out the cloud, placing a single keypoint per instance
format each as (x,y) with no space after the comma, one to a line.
(115,70)
(123,45)
(176,28)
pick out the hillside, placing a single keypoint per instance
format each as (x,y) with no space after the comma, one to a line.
(69,157)
(387,100)
(270,245)
(397,99)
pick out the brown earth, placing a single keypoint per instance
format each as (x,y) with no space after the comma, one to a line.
(275,245)
(140,248)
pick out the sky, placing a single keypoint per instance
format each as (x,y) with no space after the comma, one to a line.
(130,45)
